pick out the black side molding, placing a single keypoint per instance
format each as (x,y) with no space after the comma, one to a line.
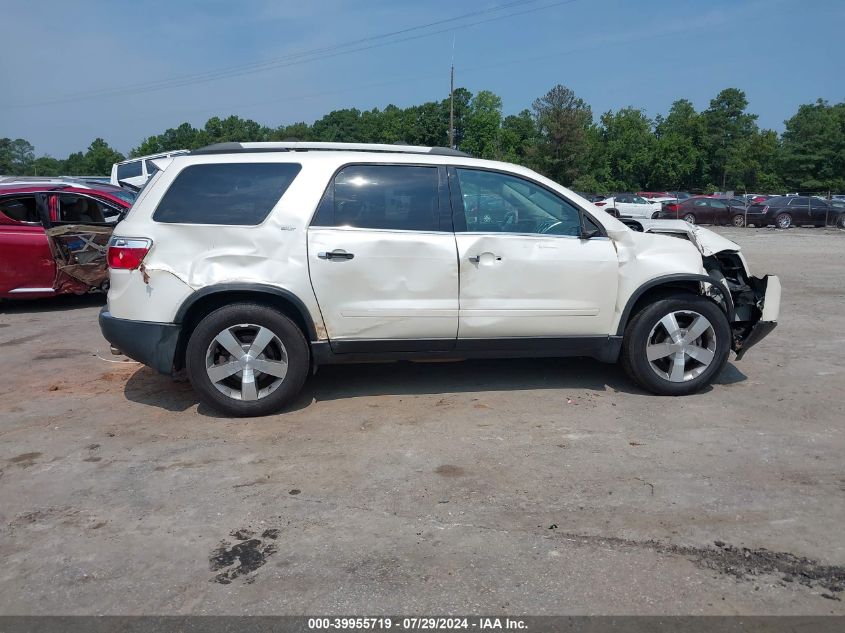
(603,348)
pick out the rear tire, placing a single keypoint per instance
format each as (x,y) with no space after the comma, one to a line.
(670,365)
(689,217)
(783,221)
(840,221)
(738,220)
(229,349)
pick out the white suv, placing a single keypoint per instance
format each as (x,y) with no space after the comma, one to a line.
(249,264)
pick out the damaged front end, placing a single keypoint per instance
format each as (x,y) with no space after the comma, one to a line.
(756,301)
(79,251)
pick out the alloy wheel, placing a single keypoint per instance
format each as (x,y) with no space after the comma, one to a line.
(246,362)
(681,346)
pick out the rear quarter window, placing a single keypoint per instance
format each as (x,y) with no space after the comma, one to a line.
(129,170)
(227,193)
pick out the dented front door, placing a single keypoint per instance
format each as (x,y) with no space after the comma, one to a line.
(525,270)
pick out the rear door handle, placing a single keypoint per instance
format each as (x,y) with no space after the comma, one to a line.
(337,253)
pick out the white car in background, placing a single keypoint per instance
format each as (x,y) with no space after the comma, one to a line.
(135,172)
(630,205)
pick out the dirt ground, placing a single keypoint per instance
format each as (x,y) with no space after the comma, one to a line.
(506,487)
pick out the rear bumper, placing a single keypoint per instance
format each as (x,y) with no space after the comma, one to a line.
(153,344)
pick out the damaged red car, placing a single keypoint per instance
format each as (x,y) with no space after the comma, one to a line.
(53,238)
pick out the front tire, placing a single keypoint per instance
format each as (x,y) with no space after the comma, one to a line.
(246,359)
(840,221)
(677,345)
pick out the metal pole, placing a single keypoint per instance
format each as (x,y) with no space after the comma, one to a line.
(452,99)
(452,108)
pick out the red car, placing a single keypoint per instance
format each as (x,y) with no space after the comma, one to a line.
(53,238)
(654,194)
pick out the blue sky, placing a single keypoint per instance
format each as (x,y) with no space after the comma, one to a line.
(58,57)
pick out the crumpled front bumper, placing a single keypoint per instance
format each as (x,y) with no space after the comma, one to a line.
(770,289)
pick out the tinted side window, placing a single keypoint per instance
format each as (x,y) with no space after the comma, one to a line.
(393,197)
(495,202)
(20,209)
(228,193)
(84,210)
(129,170)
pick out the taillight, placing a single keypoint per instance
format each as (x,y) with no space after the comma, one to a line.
(599,204)
(127,253)
(672,208)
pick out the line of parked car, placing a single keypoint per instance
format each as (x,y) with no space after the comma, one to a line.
(54,231)
(750,209)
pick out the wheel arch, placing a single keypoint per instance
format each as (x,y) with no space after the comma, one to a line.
(208,299)
(664,286)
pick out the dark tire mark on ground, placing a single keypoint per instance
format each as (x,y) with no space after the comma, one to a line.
(25,460)
(449,470)
(741,562)
(21,340)
(244,557)
(59,353)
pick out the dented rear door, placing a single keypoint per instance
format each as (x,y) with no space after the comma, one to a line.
(383,266)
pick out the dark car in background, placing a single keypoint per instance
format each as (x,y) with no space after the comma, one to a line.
(787,211)
(706,210)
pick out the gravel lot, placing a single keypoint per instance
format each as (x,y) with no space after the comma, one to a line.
(513,487)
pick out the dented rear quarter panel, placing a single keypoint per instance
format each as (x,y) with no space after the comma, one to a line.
(187,257)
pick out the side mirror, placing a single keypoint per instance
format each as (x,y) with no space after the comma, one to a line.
(587,234)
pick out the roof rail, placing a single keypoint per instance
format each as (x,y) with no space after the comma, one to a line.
(304,146)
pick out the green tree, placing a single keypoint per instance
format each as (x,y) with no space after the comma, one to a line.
(48,166)
(628,147)
(518,138)
(75,165)
(679,161)
(482,126)
(562,123)
(16,157)
(727,126)
(813,152)
(753,166)
(100,157)
(463,98)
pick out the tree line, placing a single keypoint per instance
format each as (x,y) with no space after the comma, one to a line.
(719,148)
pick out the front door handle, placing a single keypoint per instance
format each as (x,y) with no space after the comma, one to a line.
(337,253)
(477,258)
